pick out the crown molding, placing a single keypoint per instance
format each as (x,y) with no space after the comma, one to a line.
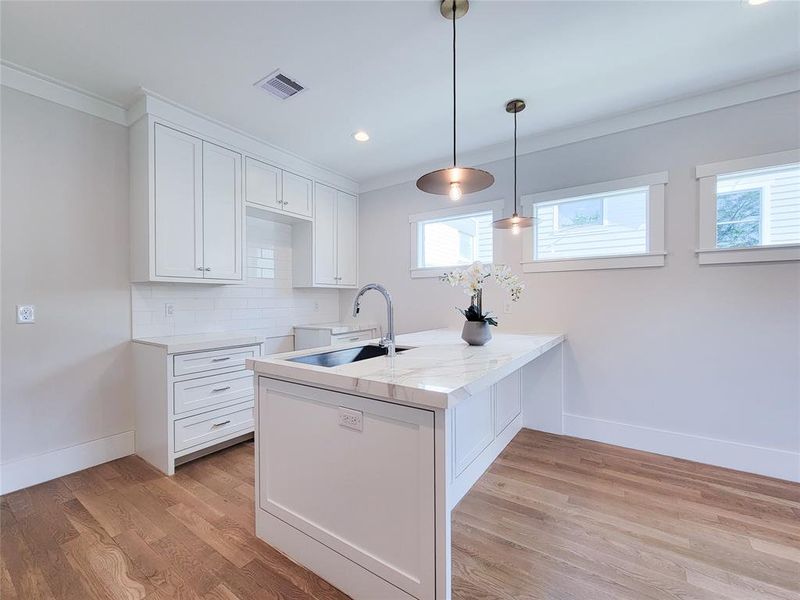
(35,84)
(777,85)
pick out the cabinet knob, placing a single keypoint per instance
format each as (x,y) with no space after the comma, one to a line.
(199,268)
(207,269)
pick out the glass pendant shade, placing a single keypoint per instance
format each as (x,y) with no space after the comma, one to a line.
(455,181)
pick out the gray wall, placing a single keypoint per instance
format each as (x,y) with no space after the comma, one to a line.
(708,351)
(66,378)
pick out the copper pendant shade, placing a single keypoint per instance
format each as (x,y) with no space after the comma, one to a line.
(515,222)
(455,181)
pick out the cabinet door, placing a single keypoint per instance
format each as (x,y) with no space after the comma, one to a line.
(222,213)
(296,194)
(366,493)
(346,239)
(324,235)
(262,184)
(178,204)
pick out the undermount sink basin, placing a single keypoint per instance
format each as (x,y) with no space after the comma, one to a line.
(334,358)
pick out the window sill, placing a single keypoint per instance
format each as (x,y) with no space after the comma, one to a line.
(722,256)
(628,261)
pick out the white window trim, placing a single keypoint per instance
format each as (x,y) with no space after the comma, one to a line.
(655,255)
(707,251)
(416,272)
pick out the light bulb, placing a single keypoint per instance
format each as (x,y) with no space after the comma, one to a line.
(515,229)
(515,219)
(455,191)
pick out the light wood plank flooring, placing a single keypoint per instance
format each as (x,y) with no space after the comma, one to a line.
(554,518)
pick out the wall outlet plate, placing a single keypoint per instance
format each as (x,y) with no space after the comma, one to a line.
(169,310)
(352,419)
(26,313)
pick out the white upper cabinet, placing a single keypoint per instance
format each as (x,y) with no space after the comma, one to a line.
(277,190)
(325,253)
(187,211)
(263,184)
(297,192)
(346,239)
(178,204)
(325,236)
(222,213)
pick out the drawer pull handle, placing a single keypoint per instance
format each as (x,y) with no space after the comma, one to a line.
(221,424)
(355,339)
(220,359)
(222,389)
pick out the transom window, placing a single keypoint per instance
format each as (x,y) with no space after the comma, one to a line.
(607,225)
(456,241)
(759,207)
(750,209)
(452,237)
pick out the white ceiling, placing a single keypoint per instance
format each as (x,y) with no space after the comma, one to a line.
(385,66)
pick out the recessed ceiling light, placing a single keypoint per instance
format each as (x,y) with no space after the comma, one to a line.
(361,136)
(756,2)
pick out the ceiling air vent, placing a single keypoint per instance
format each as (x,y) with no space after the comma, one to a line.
(278,84)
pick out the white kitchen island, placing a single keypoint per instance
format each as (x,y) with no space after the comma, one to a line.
(359,465)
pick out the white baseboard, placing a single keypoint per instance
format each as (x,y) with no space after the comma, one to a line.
(733,455)
(26,472)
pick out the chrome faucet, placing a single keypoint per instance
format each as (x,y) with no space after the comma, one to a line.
(388,340)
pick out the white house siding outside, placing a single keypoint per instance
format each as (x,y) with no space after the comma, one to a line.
(610,224)
(456,241)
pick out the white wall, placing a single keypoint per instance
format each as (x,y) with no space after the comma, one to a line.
(66,378)
(266,305)
(698,362)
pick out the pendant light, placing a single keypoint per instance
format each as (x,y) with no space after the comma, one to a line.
(455,181)
(514,222)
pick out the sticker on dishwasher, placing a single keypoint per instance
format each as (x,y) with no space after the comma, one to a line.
(352,419)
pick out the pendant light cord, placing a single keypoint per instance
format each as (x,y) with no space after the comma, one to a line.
(515,162)
(454,82)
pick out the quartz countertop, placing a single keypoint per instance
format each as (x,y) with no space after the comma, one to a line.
(175,344)
(439,371)
(336,328)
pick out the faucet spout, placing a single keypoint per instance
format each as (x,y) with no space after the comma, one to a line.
(388,340)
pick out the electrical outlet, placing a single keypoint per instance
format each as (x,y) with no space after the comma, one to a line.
(507,308)
(26,313)
(316,306)
(169,310)
(352,419)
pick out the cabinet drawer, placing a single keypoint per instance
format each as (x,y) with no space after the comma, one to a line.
(212,360)
(208,391)
(354,336)
(214,425)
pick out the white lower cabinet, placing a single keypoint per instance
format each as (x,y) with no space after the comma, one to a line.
(309,337)
(189,403)
(364,491)
(360,490)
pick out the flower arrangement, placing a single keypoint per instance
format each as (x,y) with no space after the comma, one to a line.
(474,278)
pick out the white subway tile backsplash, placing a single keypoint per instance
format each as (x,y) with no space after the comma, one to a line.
(266,304)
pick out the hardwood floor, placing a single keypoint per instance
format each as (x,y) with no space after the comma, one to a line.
(561,518)
(554,518)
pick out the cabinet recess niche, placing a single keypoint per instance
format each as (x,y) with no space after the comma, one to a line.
(325,251)
(187,211)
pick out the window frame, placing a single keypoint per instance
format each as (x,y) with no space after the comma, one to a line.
(496,208)
(707,251)
(653,257)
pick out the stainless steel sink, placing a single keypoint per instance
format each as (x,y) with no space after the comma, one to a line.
(334,358)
